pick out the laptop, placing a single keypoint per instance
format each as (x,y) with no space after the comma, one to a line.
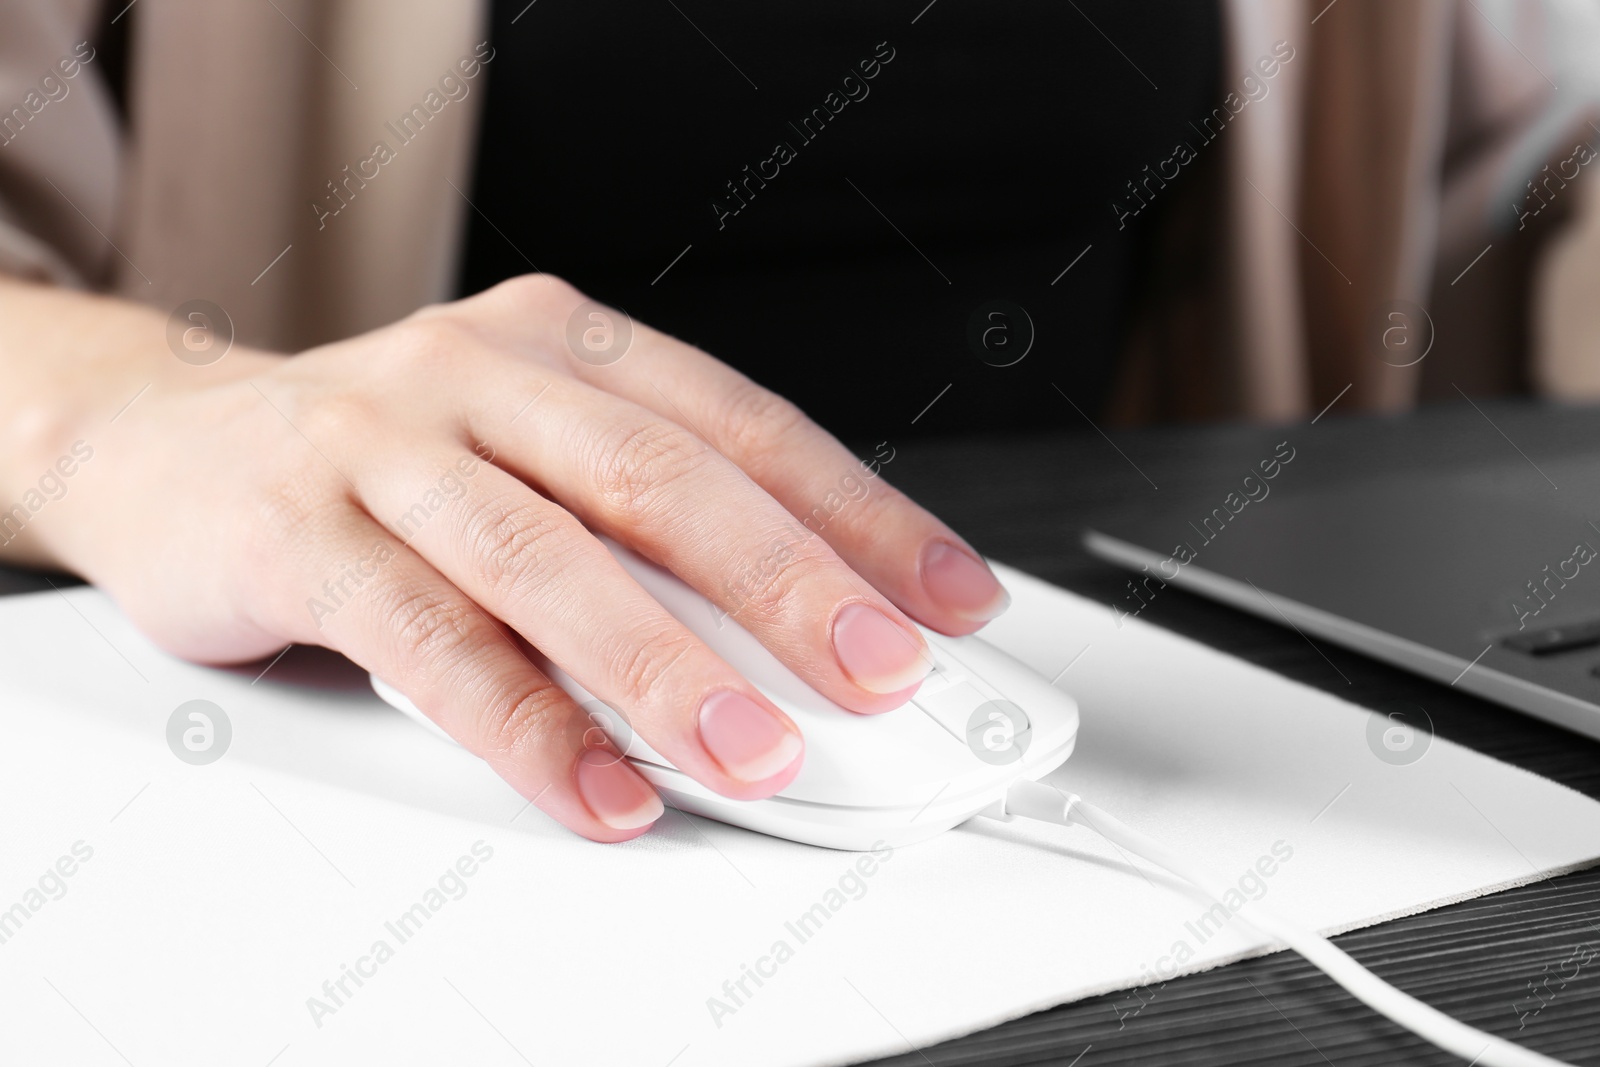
(1479,569)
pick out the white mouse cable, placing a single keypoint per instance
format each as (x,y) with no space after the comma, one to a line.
(1044,803)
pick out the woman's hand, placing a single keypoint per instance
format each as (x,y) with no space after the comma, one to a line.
(420,498)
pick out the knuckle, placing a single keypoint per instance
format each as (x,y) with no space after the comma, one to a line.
(428,626)
(278,534)
(639,664)
(752,419)
(633,465)
(519,545)
(878,503)
(348,415)
(539,293)
(279,521)
(435,341)
(524,719)
(769,585)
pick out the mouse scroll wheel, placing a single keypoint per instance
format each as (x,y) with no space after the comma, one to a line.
(949,698)
(938,677)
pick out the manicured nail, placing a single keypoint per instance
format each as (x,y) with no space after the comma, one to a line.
(615,792)
(961,583)
(750,742)
(878,655)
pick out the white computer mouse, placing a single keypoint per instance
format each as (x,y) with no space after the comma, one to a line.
(980,721)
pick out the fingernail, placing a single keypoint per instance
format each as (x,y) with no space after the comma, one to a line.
(750,742)
(878,655)
(615,792)
(961,583)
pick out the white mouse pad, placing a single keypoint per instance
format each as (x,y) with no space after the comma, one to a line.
(305,877)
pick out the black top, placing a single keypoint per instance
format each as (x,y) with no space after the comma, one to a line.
(854,205)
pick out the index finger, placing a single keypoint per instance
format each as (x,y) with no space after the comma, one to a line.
(923,566)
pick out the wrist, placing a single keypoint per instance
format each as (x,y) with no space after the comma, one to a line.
(77,368)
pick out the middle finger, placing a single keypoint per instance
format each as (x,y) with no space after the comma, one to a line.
(658,487)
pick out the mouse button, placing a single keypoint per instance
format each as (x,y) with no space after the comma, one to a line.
(952,686)
(945,672)
(952,706)
(950,658)
(899,757)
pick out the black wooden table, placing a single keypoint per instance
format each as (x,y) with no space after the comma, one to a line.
(1025,501)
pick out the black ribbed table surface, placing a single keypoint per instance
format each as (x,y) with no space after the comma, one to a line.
(1026,501)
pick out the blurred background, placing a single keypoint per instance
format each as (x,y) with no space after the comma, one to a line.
(912,218)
